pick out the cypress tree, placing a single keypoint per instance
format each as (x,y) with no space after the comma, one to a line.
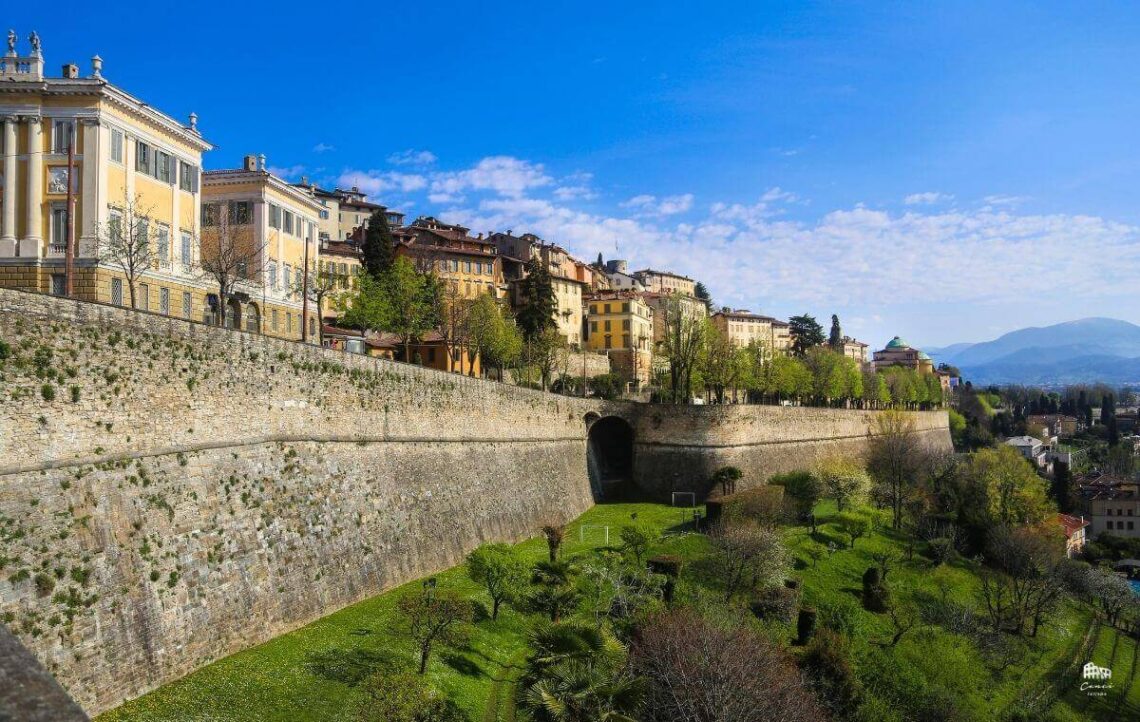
(379,248)
(835,340)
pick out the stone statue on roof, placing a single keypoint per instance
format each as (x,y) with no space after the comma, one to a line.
(34,39)
(11,42)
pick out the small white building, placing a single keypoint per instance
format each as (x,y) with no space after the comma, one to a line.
(1033,449)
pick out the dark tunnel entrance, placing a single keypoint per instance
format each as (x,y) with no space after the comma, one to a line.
(609,459)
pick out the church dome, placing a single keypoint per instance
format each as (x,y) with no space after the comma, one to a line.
(923,355)
(897,342)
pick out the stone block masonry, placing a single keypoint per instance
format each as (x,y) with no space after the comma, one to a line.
(171,493)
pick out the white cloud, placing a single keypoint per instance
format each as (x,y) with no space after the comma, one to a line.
(288,173)
(927,198)
(412,157)
(323,148)
(647,205)
(575,186)
(500,174)
(375,182)
(1004,201)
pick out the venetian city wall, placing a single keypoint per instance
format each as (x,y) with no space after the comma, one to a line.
(171,493)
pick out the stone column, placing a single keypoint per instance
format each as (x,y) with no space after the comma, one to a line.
(32,244)
(89,187)
(8,223)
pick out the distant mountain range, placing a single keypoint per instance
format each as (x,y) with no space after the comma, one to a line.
(1084,351)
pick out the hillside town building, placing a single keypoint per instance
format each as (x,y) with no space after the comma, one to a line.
(742,328)
(1110,503)
(899,353)
(620,324)
(666,282)
(467,264)
(274,226)
(127,160)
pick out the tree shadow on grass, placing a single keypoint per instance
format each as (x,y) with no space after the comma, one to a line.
(349,666)
(462,665)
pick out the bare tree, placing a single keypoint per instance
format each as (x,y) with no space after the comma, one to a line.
(748,556)
(454,313)
(684,339)
(127,241)
(894,459)
(322,285)
(232,255)
(695,672)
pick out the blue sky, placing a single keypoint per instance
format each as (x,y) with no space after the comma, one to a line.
(946,173)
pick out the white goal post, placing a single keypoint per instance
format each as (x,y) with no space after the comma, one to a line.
(582,532)
(691,495)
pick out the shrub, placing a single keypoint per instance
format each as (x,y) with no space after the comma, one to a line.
(776,603)
(805,625)
(843,615)
(667,564)
(764,504)
(941,549)
(5,350)
(607,386)
(802,488)
(44,584)
(74,394)
(726,477)
(47,391)
(827,661)
(875,594)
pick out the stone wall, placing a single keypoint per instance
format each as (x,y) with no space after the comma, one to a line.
(678,448)
(171,493)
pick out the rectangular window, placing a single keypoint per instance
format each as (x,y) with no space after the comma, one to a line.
(324,215)
(187,177)
(162,237)
(1129,525)
(58,239)
(467,266)
(478,268)
(186,304)
(594,326)
(241,214)
(58,284)
(144,296)
(116,145)
(209,215)
(607,325)
(625,325)
(271,274)
(288,222)
(455,266)
(625,308)
(61,135)
(288,322)
(164,301)
(187,255)
(142,157)
(163,170)
(609,342)
(117,291)
(274,216)
(288,281)
(273,317)
(607,308)
(625,341)
(490,268)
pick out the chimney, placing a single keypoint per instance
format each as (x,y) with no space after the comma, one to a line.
(250,162)
(71,71)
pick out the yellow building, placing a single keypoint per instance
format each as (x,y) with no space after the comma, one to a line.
(620,324)
(899,353)
(468,265)
(666,282)
(663,303)
(742,328)
(344,211)
(565,276)
(278,223)
(339,267)
(130,161)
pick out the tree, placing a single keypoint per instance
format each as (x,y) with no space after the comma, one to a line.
(636,540)
(576,674)
(806,333)
(432,617)
(854,526)
(894,458)
(231,253)
(702,294)
(323,284)
(554,594)
(498,568)
(787,378)
(492,334)
(1013,493)
(682,344)
(748,556)
(843,480)
(554,535)
(537,302)
(722,363)
(697,671)
(412,302)
(542,352)
(1111,592)
(1029,579)
(367,307)
(803,488)
(454,311)
(127,242)
(378,248)
(835,338)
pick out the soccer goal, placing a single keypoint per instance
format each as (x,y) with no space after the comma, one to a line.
(685,495)
(598,530)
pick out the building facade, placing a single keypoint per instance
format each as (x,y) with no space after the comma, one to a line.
(666,282)
(663,304)
(1111,504)
(620,325)
(566,275)
(467,264)
(899,353)
(136,175)
(278,223)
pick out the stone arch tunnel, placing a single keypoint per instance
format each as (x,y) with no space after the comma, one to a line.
(610,457)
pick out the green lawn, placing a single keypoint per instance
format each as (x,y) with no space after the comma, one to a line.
(309,674)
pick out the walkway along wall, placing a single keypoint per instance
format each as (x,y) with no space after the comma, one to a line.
(171,493)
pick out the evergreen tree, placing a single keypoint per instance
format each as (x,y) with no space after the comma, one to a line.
(379,248)
(702,293)
(806,333)
(835,340)
(536,312)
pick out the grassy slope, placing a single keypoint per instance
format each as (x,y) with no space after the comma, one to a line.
(302,675)
(279,680)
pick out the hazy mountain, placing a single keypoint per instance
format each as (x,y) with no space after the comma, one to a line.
(1091,349)
(941,353)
